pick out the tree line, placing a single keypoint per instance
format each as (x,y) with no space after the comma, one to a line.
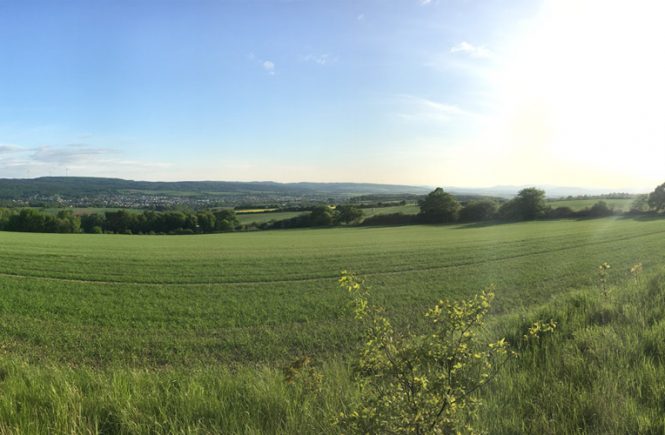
(164,222)
(529,204)
(119,222)
(437,207)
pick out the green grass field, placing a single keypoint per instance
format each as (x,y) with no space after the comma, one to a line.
(408,209)
(121,330)
(579,204)
(259,218)
(261,297)
(405,209)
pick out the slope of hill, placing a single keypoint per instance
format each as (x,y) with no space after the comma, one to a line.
(113,192)
(75,186)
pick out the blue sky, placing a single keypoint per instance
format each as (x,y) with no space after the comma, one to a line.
(405,91)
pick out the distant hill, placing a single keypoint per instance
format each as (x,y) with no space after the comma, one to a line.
(92,191)
(550,191)
(68,187)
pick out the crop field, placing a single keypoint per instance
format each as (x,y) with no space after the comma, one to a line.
(404,209)
(258,218)
(261,297)
(579,204)
(118,315)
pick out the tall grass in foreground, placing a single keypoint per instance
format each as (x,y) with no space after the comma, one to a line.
(601,370)
(248,400)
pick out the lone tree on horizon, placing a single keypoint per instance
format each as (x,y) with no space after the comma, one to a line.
(529,204)
(438,207)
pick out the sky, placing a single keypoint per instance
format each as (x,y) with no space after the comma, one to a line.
(422,92)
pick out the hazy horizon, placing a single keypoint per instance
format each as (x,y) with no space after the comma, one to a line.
(554,190)
(412,92)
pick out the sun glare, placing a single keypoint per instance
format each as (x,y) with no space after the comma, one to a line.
(584,86)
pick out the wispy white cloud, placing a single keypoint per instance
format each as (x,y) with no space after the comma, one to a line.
(9,148)
(360,17)
(269,66)
(68,154)
(475,51)
(424,2)
(422,109)
(266,64)
(81,159)
(321,59)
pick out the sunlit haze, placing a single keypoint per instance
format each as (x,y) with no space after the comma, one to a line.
(426,92)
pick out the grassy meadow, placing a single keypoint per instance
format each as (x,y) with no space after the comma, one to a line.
(246,218)
(189,334)
(619,205)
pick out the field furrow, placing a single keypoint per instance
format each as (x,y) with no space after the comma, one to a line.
(160,300)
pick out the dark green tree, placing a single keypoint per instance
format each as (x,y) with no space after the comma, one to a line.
(529,204)
(27,220)
(119,221)
(226,220)
(479,210)
(66,222)
(90,222)
(206,221)
(347,214)
(4,217)
(438,207)
(657,198)
(321,216)
(600,209)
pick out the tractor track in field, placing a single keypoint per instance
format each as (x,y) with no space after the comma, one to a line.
(321,277)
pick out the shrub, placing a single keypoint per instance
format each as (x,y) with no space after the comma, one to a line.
(389,219)
(421,383)
(480,210)
(561,213)
(600,209)
(321,216)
